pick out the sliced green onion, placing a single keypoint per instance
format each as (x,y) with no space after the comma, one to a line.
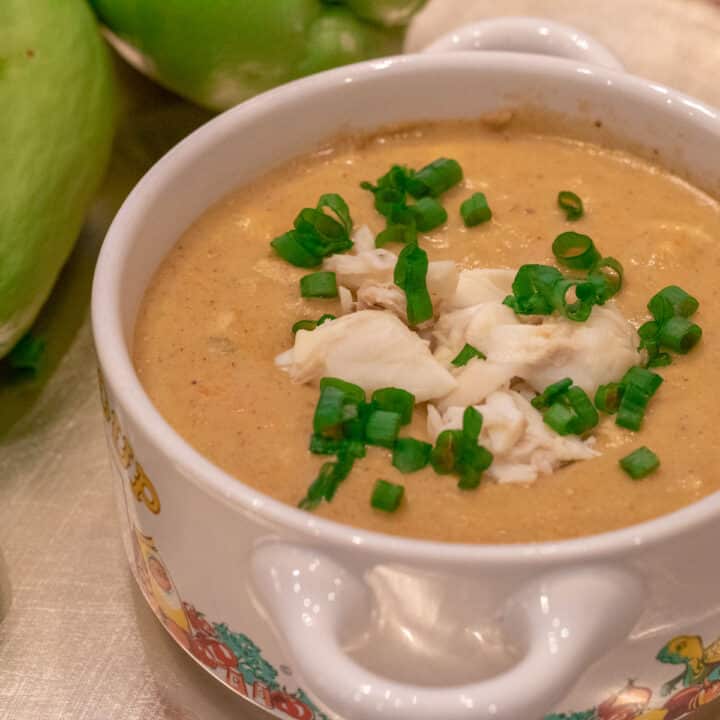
(648,330)
(329,411)
(607,277)
(322,486)
(435,178)
(571,204)
(354,428)
(321,284)
(533,289)
(388,199)
(581,308)
(311,324)
(661,309)
(575,251)
(475,210)
(472,461)
(396,233)
(382,428)
(466,355)
(304,325)
(411,276)
(428,213)
(326,483)
(397,177)
(645,380)
(640,463)
(387,496)
(551,393)
(442,457)
(632,408)
(683,304)
(290,248)
(395,400)
(27,353)
(659,360)
(562,419)
(322,445)
(679,335)
(587,415)
(351,392)
(472,423)
(410,455)
(328,232)
(607,397)
(337,204)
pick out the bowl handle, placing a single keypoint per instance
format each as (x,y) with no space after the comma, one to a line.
(563,620)
(527,35)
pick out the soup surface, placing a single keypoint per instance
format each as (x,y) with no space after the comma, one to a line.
(221,306)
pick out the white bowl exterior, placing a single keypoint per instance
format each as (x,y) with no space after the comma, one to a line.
(208,524)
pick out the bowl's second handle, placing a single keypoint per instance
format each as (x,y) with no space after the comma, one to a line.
(563,620)
(527,35)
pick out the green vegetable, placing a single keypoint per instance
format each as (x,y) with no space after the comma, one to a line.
(475,210)
(311,324)
(429,214)
(570,204)
(410,275)
(567,408)
(457,451)
(57,105)
(640,463)
(382,428)
(410,454)
(321,284)
(467,353)
(395,400)
(316,234)
(435,179)
(607,398)
(219,53)
(575,251)
(387,496)
(679,335)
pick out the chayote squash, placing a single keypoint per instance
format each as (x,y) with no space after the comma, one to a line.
(56,128)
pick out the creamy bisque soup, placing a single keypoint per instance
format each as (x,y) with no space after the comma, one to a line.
(221,306)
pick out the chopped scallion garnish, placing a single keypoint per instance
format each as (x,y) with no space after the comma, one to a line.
(382,428)
(387,496)
(311,324)
(411,276)
(436,178)
(316,234)
(682,303)
(352,393)
(395,400)
(560,418)
(321,284)
(571,204)
(607,397)
(410,455)
(475,210)
(289,247)
(640,463)
(329,411)
(679,334)
(428,214)
(575,251)
(472,423)
(551,393)
(466,355)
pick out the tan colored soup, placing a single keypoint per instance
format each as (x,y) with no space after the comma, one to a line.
(221,306)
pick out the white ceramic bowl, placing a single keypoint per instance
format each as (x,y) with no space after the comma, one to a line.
(268,597)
